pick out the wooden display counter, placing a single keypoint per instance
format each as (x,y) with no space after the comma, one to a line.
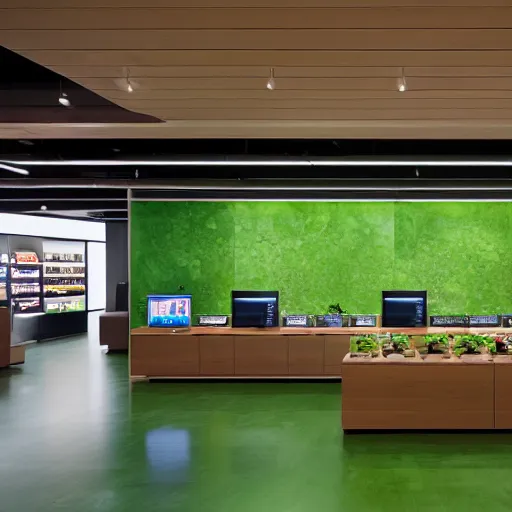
(472,392)
(223,352)
(238,353)
(434,393)
(8,354)
(5,337)
(503,386)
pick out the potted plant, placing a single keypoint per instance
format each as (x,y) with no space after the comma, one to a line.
(437,343)
(474,344)
(395,344)
(336,309)
(503,344)
(487,344)
(365,344)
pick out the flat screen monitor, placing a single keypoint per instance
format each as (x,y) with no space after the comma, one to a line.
(404,308)
(169,310)
(255,309)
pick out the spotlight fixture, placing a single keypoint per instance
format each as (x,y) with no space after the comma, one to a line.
(402,82)
(64,100)
(271,84)
(129,86)
(44,207)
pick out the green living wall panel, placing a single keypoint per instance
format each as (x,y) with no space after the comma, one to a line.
(316,253)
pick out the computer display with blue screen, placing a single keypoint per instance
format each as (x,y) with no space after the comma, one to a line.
(169,310)
(404,308)
(255,309)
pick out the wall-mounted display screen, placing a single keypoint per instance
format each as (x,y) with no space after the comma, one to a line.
(255,309)
(169,310)
(404,308)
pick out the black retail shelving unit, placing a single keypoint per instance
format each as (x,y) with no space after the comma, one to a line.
(45,305)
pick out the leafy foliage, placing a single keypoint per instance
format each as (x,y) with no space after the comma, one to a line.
(441,339)
(366,343)
(336,309)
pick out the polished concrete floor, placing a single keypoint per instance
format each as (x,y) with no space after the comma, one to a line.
(75,436)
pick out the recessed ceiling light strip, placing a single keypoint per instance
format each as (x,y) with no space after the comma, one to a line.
(267,163)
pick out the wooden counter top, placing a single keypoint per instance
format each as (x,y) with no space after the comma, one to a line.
(298,331)
(431,359)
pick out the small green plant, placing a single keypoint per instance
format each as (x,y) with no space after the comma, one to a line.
(366,343)
(336,309)
(142,310)
(489,342)
(434,339)
(471,344)
(401,341)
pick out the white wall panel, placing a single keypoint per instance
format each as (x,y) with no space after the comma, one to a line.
(96,275)
(31,225)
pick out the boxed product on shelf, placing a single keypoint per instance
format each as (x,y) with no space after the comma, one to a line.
(25,257)
(23,273)
(63,257)
(25,289)
(27,305)
(64,305)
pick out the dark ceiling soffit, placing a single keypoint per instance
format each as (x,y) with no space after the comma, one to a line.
(98,114)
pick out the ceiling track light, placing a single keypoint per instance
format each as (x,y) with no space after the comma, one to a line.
(63,98)
(129,86)
(402,82)
(271,84)
(276,162)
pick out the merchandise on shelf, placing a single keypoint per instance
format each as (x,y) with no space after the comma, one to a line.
(65,305)
(63,257)
(25,257)
(23,273)
(27,305)
(25,289)
(53,270)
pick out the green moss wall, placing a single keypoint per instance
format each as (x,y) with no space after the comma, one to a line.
(316,253)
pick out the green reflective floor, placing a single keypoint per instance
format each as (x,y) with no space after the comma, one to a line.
(74,436)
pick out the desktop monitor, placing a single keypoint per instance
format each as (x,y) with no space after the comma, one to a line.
(404,309)
(169,310)
(255,309)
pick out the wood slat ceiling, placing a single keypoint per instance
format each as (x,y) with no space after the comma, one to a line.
(203,65)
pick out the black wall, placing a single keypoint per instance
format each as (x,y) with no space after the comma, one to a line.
(117,259)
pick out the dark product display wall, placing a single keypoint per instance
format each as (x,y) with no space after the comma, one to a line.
(45,282)
(319,253)
(117,263)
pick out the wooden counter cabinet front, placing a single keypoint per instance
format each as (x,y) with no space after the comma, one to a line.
(237,353)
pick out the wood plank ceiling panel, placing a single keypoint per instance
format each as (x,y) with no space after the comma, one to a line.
(203,65)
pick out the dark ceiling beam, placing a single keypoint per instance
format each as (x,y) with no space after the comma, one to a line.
(101,205)
(28,194)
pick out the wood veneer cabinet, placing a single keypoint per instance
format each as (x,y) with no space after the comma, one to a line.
(415,394)
(503,388)
(237,353)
